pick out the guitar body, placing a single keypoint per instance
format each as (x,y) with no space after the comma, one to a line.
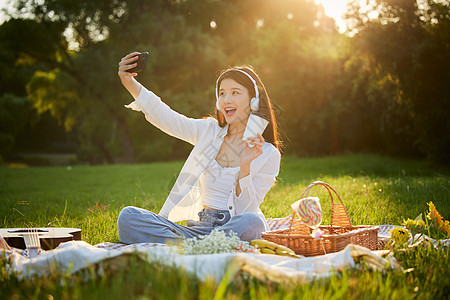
(49,237)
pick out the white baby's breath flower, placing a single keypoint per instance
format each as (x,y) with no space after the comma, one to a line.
(216,242)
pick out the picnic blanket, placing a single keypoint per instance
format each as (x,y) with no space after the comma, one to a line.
(74,256)
(71,257)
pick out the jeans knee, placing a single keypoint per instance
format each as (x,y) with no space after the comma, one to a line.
(253,221)
(253,226)
(124,217)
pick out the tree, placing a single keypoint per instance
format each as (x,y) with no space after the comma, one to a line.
(17,115)
(333,93)
(411,45)
(186,54)
(79,86)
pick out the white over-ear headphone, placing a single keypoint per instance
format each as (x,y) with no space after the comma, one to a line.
(254,103)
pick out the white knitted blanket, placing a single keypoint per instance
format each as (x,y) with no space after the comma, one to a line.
(71,257)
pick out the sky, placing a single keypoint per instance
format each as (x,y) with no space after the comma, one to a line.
(333,8)
(3,4)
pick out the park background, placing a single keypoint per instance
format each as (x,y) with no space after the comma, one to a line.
(379,86)
(362,106)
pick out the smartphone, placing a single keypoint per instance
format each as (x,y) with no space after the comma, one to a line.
(140,63)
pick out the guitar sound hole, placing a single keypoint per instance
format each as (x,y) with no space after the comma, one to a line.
(28,230)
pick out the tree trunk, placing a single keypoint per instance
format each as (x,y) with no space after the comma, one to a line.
(128,152)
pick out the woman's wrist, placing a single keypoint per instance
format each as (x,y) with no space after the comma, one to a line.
(244,170)
(132,86)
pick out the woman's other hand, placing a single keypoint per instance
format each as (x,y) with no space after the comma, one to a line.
(127,78)
(251,152)
(247,156)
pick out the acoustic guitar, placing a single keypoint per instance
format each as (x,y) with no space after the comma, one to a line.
(48,238)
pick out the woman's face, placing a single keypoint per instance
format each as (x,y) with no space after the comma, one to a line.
(234,101)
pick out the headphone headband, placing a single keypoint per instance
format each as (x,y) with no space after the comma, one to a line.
(246,74)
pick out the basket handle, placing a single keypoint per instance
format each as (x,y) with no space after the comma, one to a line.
(339,214)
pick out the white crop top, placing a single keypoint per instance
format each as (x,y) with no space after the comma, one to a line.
(216,184)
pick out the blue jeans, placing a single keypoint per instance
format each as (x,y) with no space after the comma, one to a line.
(137,225)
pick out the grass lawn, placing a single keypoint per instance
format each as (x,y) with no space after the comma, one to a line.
(375,190)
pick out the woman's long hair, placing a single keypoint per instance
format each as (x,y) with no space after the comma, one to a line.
(265,106)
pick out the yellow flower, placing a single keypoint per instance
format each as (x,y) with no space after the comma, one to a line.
(400,235)
(436,217)
(446,227)
(434,214)
(415,226)
(420,223)
(409,223)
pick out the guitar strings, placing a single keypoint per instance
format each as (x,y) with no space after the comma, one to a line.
(32,232)
(35,238)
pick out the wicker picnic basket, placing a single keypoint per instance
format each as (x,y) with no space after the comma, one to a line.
(335,236)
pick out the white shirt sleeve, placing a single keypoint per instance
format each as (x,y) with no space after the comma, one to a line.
(255,186)
(163,117)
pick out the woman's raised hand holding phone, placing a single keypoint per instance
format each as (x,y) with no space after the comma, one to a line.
(126,63)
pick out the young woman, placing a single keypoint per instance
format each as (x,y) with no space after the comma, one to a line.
(224,180)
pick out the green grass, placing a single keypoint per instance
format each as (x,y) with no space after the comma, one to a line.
(375,190)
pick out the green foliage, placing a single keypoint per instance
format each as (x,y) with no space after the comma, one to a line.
(409,43)
(15,114)
(382,90)
(48,91)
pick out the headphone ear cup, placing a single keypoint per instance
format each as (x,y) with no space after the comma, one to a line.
(254,104)
(217,105)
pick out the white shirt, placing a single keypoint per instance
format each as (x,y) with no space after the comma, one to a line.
(216,184)
(183,201)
